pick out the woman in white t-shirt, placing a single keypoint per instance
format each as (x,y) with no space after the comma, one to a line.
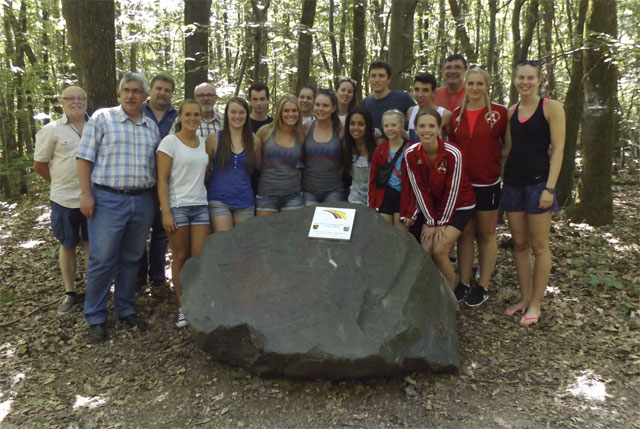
(182,163)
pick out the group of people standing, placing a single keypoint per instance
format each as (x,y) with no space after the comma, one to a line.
(430,166)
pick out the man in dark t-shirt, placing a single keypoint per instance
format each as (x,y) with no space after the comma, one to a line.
(383,98)
(259,102)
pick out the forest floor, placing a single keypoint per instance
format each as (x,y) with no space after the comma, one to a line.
(578,368)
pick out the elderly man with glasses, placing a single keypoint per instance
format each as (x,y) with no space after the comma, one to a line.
(211,121)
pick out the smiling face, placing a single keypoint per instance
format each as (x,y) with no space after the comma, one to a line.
(427,128)
(392,126)
(305,98)
(189,116)
(206,95)
(74,102)
(323,107)
(345,93)
(160,94)
(237,115)
(453,73)
(290,114)
(379,80)
(132,95)
(357,126)
(527,80)
(475,86)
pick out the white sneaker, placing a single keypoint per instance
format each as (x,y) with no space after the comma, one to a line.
(181,322)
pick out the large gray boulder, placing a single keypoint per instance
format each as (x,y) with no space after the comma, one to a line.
(265,297)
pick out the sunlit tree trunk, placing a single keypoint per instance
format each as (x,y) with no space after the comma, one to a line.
(260,10)
(401,42)
(521,44)
(305,42)
(547,48)
(595,202)
(92,39)
(196,44)
(492,58)
(461,32)
(573,106)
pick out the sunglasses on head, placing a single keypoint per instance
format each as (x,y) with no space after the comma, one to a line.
(534,63)
(477,66)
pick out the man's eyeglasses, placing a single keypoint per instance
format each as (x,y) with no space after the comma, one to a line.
(206,95)
(134,91)
(75,98)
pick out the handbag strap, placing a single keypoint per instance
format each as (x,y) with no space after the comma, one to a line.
(396,156)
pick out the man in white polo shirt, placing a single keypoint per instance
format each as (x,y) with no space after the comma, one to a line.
(55,160)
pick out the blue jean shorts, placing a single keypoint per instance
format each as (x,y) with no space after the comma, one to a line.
(190,215)
(525,198)
(218,208)
(68,225)
(266,203)
(324,197)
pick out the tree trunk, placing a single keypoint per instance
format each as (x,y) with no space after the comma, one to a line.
(260,10)
(547,49)
(305,42)
(401,42)
(92,39)
(196,44)
(492,58)
(8,105)
(335,70)
(359,44)
(573,106)
(521,45)
(442,37)
(343,37)
(461,32)
(595,201)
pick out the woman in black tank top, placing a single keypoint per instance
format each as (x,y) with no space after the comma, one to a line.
(534,145)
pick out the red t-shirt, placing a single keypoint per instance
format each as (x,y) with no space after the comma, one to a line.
(442,97)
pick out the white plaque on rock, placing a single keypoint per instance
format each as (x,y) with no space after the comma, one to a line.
(332,223)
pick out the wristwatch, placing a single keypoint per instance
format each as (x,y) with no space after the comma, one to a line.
(550,190)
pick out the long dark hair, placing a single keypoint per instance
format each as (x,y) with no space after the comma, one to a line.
(335,119)
(350,144)
(223,153)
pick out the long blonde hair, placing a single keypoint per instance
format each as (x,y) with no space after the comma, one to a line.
(487,99)
(403,119)
(276,124)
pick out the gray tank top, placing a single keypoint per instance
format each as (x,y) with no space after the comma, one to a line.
(359,190)
(322,164)
(279,174)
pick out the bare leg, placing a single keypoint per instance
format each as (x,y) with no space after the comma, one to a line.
(239,220)
(440,254)
(67,260)
(197,237)
(400,225)
(487,245)
(539,226)
(179,241)
(465,253)
(222,223)
(522,254)
(387,217)
(264,213)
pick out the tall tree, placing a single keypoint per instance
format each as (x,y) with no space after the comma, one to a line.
(305,39)
(401,42)
(573,106)
(93,48)
(595,204)
(547,48)
(196,43)
(461,32)
(521,44)
(260,10)
(358,49)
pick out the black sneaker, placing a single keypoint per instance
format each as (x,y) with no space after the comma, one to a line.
(98,333)
(132,321)
(476,296)
(461,291)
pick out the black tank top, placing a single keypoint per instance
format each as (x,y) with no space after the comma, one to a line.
(528,161)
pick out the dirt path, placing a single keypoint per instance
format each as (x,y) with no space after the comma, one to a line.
(579,368)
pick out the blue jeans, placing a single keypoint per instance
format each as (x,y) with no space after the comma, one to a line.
(154,260)
(117,232)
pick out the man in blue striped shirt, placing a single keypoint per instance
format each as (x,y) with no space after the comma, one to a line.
(117,174)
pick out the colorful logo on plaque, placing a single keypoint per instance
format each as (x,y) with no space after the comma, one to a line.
(337,214)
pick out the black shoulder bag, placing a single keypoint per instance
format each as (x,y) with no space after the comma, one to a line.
(384,171)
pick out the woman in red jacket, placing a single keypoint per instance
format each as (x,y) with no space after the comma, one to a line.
(436,187)
(478,128)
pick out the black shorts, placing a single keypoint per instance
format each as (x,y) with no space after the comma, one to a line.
(390,202)
(487,197)
(461,218)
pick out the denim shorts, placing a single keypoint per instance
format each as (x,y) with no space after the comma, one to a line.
(266,203)
(218,208)
(190,215)
(68,225)
(324,197)
(525,198)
